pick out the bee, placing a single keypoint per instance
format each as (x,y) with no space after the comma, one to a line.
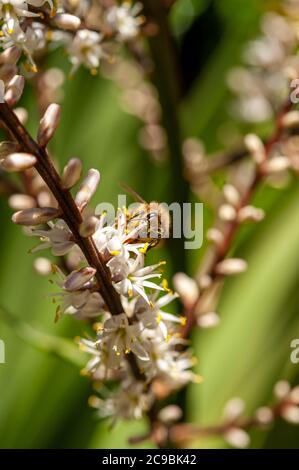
(152,217)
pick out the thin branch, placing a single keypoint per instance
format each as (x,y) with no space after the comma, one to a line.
(70,211)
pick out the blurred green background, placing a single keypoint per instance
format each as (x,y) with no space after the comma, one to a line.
(43,399)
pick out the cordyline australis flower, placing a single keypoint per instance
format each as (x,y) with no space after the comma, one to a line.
(137,339)
(31,24)
(271,63)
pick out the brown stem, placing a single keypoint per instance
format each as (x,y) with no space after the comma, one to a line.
(232,228)
(70,211)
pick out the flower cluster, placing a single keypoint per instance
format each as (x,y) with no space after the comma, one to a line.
(33,25)
(271,63)
(137,339)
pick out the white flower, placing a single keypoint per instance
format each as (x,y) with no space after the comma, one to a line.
(131,401)
(58,237)
(119,338)
(124,20)
(85,49)
(11,11)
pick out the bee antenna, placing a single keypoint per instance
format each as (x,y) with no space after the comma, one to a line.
(132,193)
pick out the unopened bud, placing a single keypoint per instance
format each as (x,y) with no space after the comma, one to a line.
(66,21)
(14,90)
(205,281)
(276,165)
(208,320)
(48,124)
(186,287)
(231,266)
(7,72)
(42,266)
(231,194)
(35,216)
(87,188)
(77,279)
(250,213)
(72,173)
(88,227)
(22,114)
(291,119)
(170,414)
(21,201)
(214,235)
(282,389)
(227,213)
(294,395)
(7,147)
(291,414)
(237,437)
(10,55)
(233,409)
(264,415)
(18,162)
(255,147)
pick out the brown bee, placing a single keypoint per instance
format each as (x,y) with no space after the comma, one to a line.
(152,217)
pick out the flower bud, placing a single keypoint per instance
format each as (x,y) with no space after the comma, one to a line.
(18,162)
(170,414)
(214,235)
(10,55)
(48,124)
(186,287)
(250,213)
(282,389)
(7,147)
(231,194)
(35,216)
(233,409)
(14,90)
(77,279)
(66,21)
(7,72)
(237,437)
(21,202)
(87,188)
(291,414)
(291,119)
(294,395)
(208,320)
(255,147)
(276,165)
(231,266)
(72,173)
(264,415)
(42,266)
(227,213)
(88,227)
(22,114)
